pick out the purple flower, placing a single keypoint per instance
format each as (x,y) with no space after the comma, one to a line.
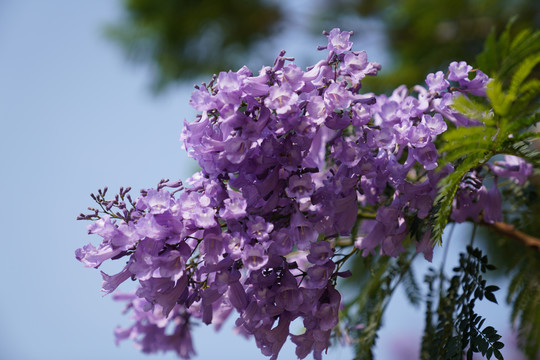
(91,256)
(419,136)
(437,82)
(126,236)
(282,242)
(385,138)
(360,114)
(357,67)
(435,124)
(348,153)
(256,86)
(278,335)
(103,227)
(237,295)
(513,167)
(150,228)
(292,75)
(476,86)
(254,257)
(201,100)
(493,208)
(303,232)
(212,247)
(172,264)
(426,156)
(338,41)
(228,81)
(470,199)
(289,295)
(320,253)
(167,299)
(157,201)
(426,246)
(318,275)
(229,84)
(338,121)
(259,228)
(235,206)
(282,99)
(110,283)
(236,150)
(459,70)
(288,159)
(300,186)
(373,233)
(328,312)
(195,207)
(149,329)
(337,96)
(316,109)
(234,243)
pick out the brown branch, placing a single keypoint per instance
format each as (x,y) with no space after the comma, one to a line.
(513,233)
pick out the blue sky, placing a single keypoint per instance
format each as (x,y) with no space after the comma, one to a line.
(74,117)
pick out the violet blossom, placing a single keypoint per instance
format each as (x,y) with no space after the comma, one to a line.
(290,161)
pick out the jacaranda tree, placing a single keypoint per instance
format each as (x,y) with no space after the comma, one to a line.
(301,171)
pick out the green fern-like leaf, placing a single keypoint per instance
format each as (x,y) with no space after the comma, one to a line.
(448,188)
(524,295)
(502,130)
(499,99)
(367,308)
(467,148)
(519,125)
(478,133)
(523,71)
(473,109)
(502,55)
(411,287)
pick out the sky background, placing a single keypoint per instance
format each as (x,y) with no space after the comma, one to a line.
(74,117)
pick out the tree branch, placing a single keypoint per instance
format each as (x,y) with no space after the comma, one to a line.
(511,232)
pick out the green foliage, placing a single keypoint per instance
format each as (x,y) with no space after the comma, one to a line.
(523,266)
(513,95)
(495,59)
(363,315)
(454,327)
(503,121)
(524,295)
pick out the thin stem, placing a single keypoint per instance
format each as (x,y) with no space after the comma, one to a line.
(404,269)
(342,261)
(473,234)
(445,255)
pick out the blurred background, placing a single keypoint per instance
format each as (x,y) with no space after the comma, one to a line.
(77,114)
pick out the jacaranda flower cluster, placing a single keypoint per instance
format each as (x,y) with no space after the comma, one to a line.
(299,167)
